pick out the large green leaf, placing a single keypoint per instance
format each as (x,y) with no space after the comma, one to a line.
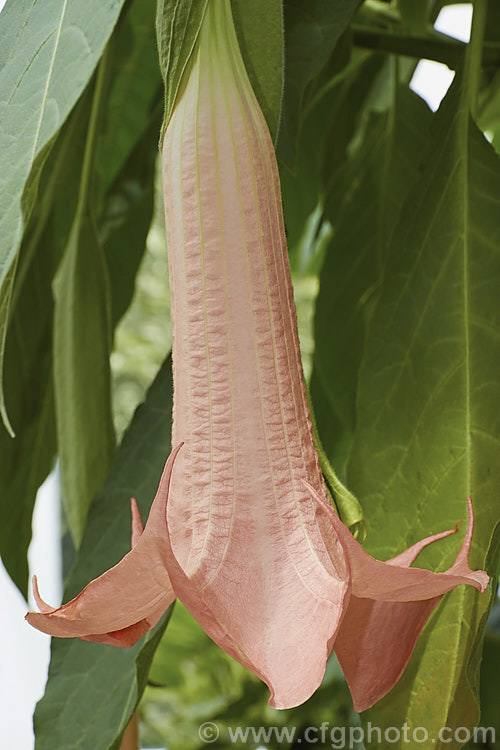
(105,682)
(370,190)
(82,343)
(49,51)
(26,459)
(259,26)
(82,340)
(132,93)
(490,669)
(312,30)
(113,171)
(126,216)
(428,429)
(330,125)
(415,15)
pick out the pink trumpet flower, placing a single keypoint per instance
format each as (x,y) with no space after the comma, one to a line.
(242,529)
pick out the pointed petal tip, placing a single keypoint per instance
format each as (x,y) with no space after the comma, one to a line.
(477,578)
(41,604)
(137,525)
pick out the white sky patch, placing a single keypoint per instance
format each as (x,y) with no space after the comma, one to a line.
(455,20)
(24,651)
(432,80)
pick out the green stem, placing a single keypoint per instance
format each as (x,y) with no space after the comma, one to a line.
(473,60)
(438,47)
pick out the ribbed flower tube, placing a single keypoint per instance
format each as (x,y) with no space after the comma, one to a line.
(243,525)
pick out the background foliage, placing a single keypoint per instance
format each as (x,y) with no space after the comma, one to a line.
(393,222)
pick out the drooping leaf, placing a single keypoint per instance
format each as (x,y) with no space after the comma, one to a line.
(82,340)
(126,217)
(371,189)
(490,709)
(414,15)
(26,459)
(259,26)
(311,33)
(133,90)
(83,324)
(426,436)
(49,52)
(82,344)
(105,682)
(329,125)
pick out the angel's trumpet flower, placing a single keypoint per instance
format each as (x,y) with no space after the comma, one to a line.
(249,541)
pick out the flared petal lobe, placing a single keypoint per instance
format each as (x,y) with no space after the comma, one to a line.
(252,556)
(389,605)
(126,601)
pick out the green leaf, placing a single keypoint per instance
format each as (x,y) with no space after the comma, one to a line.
(5,295)
(126,149)
(104,682)
(259,26)
(490,710)
(178,24)
(427,430)
(329,125)
(83,313)
(126,217)
(49,52)
(414,14)
(364,204)
(81,371)
(489,118)
(26,460)
(134,87)
(312,30)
